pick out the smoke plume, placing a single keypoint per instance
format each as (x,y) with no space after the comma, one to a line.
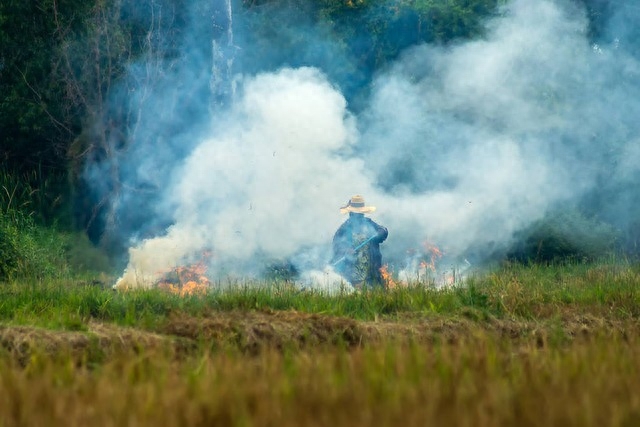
(460,146)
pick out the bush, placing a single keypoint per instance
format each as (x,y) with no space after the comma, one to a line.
(563,236)
(82,256)
(40,197)
(29,250)
(9,247)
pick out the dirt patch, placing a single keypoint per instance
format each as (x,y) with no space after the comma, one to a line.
(20,343)
(253,331)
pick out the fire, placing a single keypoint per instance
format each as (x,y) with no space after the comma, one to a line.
(434,253)
(423,264)
(189,288)
(187,280)
(388,281)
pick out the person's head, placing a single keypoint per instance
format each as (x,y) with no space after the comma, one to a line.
(356,205)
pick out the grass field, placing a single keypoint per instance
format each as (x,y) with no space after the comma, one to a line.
(555,345)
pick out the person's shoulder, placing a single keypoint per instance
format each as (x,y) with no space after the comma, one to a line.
(344,225)
(371,221)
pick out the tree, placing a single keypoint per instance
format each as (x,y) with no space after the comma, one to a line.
(33,135)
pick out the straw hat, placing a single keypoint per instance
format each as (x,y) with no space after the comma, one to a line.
(356,204)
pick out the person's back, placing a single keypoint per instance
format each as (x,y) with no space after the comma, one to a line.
(356,245)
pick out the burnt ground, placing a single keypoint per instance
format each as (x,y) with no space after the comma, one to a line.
(253,331)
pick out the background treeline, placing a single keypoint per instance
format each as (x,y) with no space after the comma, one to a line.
(64,81)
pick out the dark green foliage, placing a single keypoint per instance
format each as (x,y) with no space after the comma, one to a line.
(33,104)
(563,236)
(82,256)
(40,196)
(473,296)
(373,33)
(29,250)
(10,255)
(280,271)
(450,20)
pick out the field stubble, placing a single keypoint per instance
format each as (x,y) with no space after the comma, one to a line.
(524,348)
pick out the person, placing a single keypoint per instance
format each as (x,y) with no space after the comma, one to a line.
(356,245)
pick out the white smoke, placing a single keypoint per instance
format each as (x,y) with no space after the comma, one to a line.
(326,281)
(461,146)
(488,135)
(267,186)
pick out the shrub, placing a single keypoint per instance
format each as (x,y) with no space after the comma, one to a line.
(29,250)
(9,247)
(563,236)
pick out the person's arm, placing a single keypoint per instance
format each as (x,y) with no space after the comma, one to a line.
(381,232)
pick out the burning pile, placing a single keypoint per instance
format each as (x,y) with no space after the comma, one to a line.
(187,280)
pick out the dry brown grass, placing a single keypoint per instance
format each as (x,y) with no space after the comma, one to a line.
(256,331)
(476,381)
(292,369)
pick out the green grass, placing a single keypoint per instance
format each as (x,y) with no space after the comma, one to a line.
(610,290)
(27,249)
(37,196)
(35,241)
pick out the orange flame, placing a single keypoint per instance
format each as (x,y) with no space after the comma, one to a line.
(190,288)
(388,281)
(191,279)
(434,253)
